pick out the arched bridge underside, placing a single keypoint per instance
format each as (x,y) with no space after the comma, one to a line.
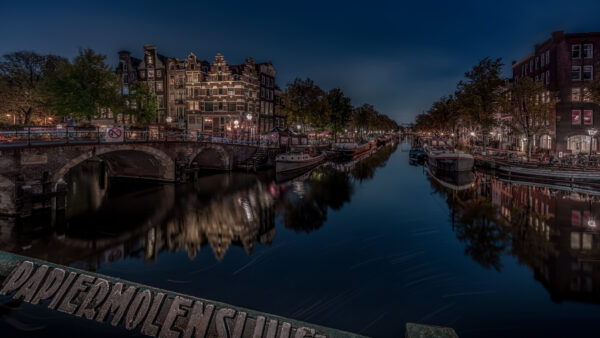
(41,168)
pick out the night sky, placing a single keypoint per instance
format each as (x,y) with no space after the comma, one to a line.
(398,57)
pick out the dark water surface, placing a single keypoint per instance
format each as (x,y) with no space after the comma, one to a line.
(363,247)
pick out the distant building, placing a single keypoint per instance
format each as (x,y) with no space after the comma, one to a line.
(211,98)
(564,63)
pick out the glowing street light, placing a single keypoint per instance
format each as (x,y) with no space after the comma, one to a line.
(169,119)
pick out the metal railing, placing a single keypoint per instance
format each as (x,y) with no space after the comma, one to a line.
(27,137)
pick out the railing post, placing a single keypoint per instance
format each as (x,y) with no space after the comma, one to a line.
(98,133)
(28,136)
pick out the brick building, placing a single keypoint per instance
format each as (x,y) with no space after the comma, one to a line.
(565,62)
(211,98)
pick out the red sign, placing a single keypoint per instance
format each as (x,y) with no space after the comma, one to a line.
(587,116)
(576,117)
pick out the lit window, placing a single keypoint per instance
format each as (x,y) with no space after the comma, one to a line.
(158,73)
(576,51)
(159,86)
(576,94)
(150,73)
(576,73)
(588,72)
(588,51)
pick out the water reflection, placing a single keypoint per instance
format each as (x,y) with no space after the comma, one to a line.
(108,221)
(551,229)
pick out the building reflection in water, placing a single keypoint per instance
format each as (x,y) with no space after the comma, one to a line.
(108,221)
(551,229)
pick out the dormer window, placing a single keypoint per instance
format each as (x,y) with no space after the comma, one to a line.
(149,59)
(125,67)
(192,66)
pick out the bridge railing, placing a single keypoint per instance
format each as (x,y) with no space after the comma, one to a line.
(40,136)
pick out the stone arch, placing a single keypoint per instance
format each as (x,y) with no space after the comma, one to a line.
(212,157)
(167,164)
(7,196)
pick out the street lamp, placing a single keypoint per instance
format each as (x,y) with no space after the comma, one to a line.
(592,132)
(169,119)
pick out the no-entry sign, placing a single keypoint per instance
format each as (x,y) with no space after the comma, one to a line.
(114,134)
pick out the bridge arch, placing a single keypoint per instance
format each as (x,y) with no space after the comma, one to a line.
(163,166)
(212,157)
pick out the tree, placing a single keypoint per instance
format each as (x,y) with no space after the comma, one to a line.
(339,110)
(480,95)
(530,106)
(21,74)
(81,88)
(362,117)
(304,103)
(141,104)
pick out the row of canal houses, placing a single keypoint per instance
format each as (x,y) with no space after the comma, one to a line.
(214,98)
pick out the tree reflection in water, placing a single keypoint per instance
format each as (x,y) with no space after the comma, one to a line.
(217,211)
(551,229)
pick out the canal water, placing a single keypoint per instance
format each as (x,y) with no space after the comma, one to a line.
(363,247)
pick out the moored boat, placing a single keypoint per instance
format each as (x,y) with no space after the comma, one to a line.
(296,161)
(447,160)
(349,149)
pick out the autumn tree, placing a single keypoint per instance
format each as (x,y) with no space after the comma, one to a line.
(529,105)
(21,75)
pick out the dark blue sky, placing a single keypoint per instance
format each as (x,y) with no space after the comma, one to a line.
(398,57)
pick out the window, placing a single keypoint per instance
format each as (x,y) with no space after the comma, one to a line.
(172,81)
(219,68)
(576,117)
(537,62)
(576,94)
(195,92)
(125,90)
(543,77)
(192,66)
(586,95)
(125,78)
(576,51)
(587,117)
(124,66)
(220,105)
(208,106)
(588,51)
(230,91)
(588,72)
(220,91)
(161,104)
(207,92)
(142,74)
(231,106)
(149,58)
(548,57)
(159,86)
(158,73)
(547,77)
(530,66)
(150,73)
(219,77)
(576,73)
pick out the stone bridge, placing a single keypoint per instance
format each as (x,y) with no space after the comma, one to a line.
(38,170)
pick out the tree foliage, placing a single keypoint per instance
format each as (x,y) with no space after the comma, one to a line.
(339,110)
(305,103)
(79,89)
(21,75)
(141,104)
(529,105)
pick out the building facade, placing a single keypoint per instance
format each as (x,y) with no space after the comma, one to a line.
(564,63)
(212,98)
(266,74)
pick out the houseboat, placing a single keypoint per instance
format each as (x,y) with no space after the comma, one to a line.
(448,160)
(297,161)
